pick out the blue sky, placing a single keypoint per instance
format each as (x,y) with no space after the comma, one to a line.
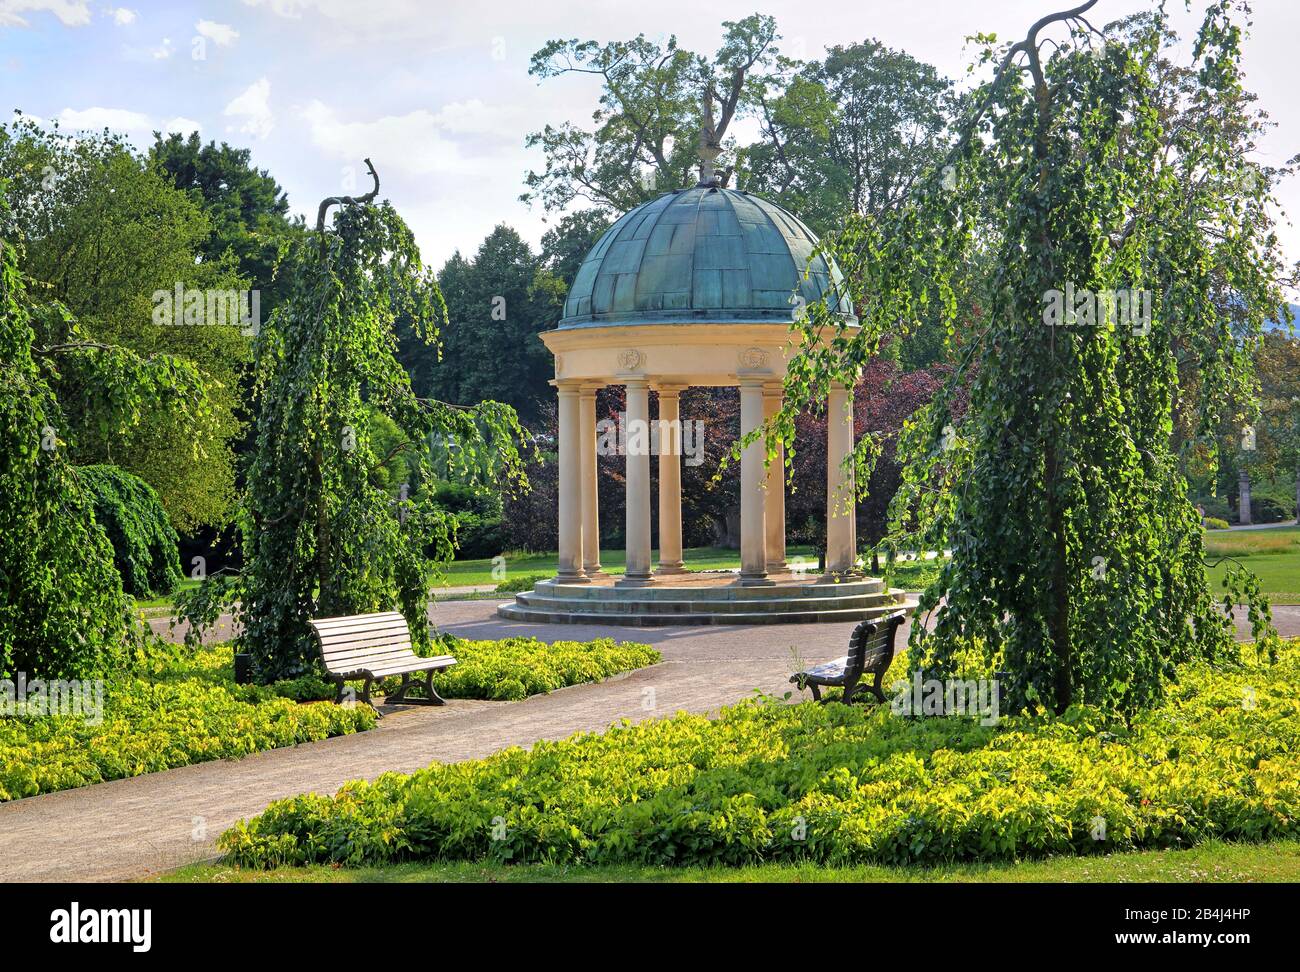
(438,93)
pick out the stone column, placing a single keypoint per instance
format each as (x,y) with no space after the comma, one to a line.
(590,490)
(753,540)
(570,487)
(670,480)
(774,512)
(1243,498)
(638,483)
(841,539)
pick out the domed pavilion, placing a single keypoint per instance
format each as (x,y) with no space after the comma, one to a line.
(696,287)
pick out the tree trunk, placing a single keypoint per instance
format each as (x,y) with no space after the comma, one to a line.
(322,536)
(1058,609)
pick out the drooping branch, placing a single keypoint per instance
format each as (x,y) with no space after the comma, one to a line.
(1028,46)
(325,204)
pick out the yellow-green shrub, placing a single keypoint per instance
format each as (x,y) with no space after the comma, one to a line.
(1220,757)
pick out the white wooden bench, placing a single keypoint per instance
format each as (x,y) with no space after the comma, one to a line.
(373,647)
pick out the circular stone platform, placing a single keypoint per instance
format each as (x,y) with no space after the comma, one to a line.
(710,597)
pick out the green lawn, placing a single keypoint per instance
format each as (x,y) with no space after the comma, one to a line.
(1213,862)
(1274,555)
(464,573)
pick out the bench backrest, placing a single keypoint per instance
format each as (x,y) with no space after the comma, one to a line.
(360,640)
(871,645)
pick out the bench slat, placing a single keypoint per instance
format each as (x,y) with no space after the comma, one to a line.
(375,658)
(399,667)
(354,642)
(375,655)
(361,618)
(415,665)
(344,631)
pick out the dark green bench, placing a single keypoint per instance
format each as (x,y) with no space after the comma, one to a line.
(871,649)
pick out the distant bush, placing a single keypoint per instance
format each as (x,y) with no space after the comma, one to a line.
(457,498)
(1263,509)
(144,544)
(478,537)
(1214,523)
(521,582)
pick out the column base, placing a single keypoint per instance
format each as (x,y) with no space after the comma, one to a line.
(635,580)
(756,581)
(671,568)
(595,573)
(561,578)
(836,576)
(780,567)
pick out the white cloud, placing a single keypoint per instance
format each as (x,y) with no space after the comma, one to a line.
(135,125)
(163,51)
(115,119)
(474,117)
(122,16)
(253,105)
(411,143)
(220,34)
(182,125)
(71,13)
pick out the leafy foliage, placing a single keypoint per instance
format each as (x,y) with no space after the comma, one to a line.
(1077,557)
(850,133)
(497,304)
(103,230)
(648,136)
(248,209)
(833,784)
(144,543)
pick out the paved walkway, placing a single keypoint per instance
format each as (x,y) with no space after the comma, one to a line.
(132,828)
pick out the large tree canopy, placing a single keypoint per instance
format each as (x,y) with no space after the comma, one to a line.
(848,134)
(247,209)
(103,230)
(662,110)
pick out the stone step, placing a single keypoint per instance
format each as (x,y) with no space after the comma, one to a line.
(727,592)
(531,599)
(520,612)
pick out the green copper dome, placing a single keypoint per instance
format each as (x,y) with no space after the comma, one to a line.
(706,254)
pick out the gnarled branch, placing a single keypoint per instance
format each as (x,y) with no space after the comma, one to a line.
(325,204)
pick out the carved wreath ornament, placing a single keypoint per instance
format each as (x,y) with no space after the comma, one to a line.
(753,358)
(631,359)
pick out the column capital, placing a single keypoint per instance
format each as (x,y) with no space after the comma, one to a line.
(773,389)
(753,381)
(566,386)
(632,379)
(670,387)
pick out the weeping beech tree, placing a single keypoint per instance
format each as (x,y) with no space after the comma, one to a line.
(320,535)
(1124,243)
